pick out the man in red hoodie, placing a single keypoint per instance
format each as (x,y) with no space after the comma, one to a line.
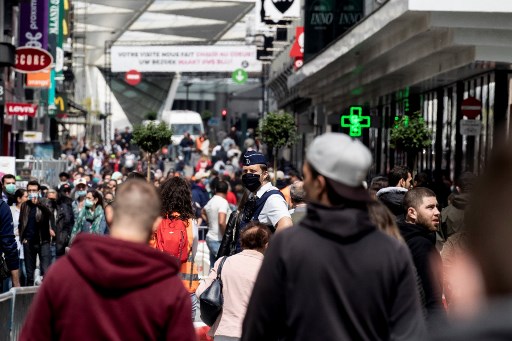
(114,288)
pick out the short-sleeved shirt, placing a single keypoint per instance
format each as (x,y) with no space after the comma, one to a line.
(274,208)
(216,205)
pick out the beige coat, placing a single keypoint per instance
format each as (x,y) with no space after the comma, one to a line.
(238,277)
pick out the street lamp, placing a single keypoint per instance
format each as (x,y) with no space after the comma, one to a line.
(187,85)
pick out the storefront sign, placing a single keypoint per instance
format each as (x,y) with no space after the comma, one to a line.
(34,23)
(184,58)
(275,11)
(32,59)
(21,109)
(32,137)
(2,91)
(39,79)
(326,20)
(355,121)
(297,49)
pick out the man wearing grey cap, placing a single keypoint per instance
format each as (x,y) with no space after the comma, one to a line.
(335,276)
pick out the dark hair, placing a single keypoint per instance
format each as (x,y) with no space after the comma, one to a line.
(334,198)
(20,192)
(465,182)
(221,187)
(135,175)
(255,236)
(7,176)
(396,174)
(97,195)
(61,174)
(379,182)
(176,198)
(414,197)
(293,173)
(34,183)
(264,168)
(422,179)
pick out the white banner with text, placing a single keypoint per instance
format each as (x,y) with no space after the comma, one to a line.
(178,58)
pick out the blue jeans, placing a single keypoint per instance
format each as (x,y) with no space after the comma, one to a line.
(31,251)
(195,305)
(213,246)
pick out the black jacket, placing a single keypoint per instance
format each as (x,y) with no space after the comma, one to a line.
(8,246)
(427,260)
(63,224)
(334,277)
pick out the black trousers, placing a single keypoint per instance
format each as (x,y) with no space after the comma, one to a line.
(31,251)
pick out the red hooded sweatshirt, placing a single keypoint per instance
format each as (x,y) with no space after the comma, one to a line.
(109,289)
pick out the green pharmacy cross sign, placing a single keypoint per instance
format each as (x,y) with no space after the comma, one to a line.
(355,121)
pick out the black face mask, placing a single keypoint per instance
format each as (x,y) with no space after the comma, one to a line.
(251,181)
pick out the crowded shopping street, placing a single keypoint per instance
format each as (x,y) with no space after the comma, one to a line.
(255,170)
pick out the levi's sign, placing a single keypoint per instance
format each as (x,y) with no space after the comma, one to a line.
(21,109)
(32,59)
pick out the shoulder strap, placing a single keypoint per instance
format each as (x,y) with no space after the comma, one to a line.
(260,203)
(219,270)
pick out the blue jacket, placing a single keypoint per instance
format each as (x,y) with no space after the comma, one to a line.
(200,195)
(8,244)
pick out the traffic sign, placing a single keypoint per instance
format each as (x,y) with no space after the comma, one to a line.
(355,121)
(471,107)
(240,76)
(133,77)
(470,127)
(32,59)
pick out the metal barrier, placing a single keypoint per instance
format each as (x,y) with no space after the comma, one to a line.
(44,171)
(14,307)
(5,316)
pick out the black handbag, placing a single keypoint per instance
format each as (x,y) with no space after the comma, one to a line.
(212,300)
(4,271)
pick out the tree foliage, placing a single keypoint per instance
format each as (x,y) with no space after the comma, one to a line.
(411,134)
(278,130)
(152,137)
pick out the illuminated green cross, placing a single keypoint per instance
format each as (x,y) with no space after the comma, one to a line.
(355,121)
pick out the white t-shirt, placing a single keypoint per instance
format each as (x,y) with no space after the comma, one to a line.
(274,208)
(216,205)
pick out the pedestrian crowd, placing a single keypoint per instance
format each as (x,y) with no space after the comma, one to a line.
(324,253)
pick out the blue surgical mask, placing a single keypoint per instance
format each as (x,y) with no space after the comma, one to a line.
(33,196)
(88,203)
(81,193)
(10,188)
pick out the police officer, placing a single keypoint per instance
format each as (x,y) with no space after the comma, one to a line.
(270,207)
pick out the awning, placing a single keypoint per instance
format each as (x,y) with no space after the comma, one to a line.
(409,43)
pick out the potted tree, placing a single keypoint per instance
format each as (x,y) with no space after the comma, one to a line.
(411,135)
(278,130)
(150,138)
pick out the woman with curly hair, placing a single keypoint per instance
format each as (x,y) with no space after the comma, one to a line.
(175,234)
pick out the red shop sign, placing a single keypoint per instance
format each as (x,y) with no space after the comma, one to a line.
(32,59)
(21,109)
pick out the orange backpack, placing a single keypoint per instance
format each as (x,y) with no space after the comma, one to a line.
(171,237)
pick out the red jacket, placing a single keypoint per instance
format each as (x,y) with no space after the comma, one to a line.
(109,289)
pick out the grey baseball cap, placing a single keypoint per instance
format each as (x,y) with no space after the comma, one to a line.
(343,161)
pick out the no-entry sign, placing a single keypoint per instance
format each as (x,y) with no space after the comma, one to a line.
(471,108)
(133,77)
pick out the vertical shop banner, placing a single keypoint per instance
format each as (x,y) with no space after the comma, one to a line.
(54,24)
(59,61)
(326,20)
(34,23)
